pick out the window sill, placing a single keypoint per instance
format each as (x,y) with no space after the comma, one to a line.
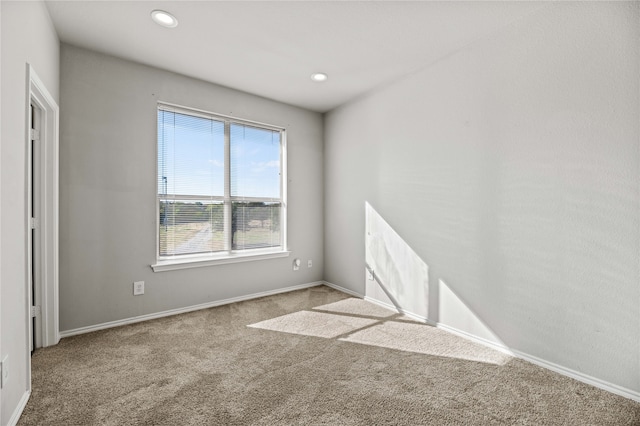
(198,262)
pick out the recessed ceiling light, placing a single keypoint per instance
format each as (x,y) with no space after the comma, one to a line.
(164,18)
(319,76)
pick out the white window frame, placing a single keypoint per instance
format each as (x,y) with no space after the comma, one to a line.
(168,263)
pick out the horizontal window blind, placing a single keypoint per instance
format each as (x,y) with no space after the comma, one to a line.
(256,225)
(190,155)
(219,183)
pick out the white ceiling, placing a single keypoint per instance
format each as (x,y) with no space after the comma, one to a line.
(270,48)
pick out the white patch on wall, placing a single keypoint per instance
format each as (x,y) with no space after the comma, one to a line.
(402,277)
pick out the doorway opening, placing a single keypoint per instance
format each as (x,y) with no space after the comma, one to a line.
(35,215)
(42,215)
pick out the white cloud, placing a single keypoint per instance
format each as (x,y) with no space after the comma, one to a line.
(261,166)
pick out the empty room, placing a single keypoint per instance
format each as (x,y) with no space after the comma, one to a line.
(319,213)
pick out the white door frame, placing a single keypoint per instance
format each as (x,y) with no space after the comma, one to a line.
(47,205)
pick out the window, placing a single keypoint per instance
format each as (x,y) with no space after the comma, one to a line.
(221,191)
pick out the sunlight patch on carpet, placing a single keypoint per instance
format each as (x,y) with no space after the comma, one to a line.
(315,324)
(427,340)
(355,306)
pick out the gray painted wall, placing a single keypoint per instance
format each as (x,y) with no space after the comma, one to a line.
(512,169)
(108,192)
(27,36)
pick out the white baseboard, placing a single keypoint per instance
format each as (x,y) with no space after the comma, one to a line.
(577,375)
(383,304)
(500,347)
(441,326)
(19,409)
(593,381)
(581,377)
(141,318)
(342,289)
(400,310)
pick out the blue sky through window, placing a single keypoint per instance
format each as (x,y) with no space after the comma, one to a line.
(191,157)
(255,162)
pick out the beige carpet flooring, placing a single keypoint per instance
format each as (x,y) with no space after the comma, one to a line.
(309,357)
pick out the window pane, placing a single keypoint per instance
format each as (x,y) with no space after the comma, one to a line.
(255,225)
(190,155)
(190,227)
(217,177)
(255,162)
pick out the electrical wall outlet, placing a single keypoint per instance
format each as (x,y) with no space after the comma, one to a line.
(138,288)
(296,264)
(4,372)
(309,264)
(369,274)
